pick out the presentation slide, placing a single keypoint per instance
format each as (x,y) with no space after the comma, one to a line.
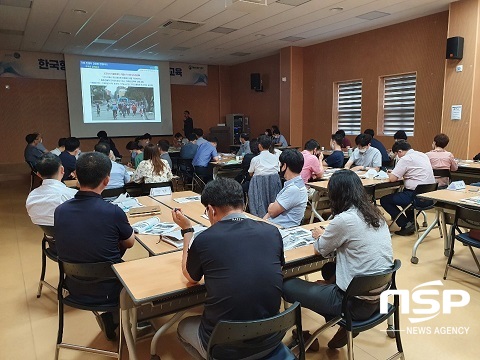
(120,93)
(124,97)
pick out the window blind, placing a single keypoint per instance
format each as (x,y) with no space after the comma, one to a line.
(349,107)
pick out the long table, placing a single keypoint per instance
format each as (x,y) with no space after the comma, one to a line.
(468,171)
(158,282)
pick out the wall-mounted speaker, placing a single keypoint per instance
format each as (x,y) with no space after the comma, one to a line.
(255,82)
(455,48)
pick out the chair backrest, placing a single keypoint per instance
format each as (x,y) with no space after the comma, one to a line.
(48,230)
(185,168)
(441,173)
(147,187)
(108,193)
(467,218)
(424,188)
(32,167)
(86,273)
(238,339)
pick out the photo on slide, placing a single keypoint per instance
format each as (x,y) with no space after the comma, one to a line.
(121,103)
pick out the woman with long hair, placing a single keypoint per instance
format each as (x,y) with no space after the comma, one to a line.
(359,236)
(152,169)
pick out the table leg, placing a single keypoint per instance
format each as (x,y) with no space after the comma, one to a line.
(126,325)
(215,172)
(414,259)
(160,331)
(446,234)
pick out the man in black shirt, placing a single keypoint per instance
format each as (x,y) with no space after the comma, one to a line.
(241,262)
(187,123)
(69,157)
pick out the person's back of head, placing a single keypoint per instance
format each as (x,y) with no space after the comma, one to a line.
(61,142)
(337,138)
(369,132)
(400,135)
(48,166)
(150,151)
(276,132)
(401,145)
(441,140)
(147,136)
(198,132)
(71,144)
(268,132)
(133,145)
(363,140)
(345,189)
(191,137)
(311,145)
(212,139)
(265,141)
(293,159)
(244,136)
(92,168)
(254,147)
(341,132)
(178,136)
(164,145)
(102,134)
(102,147)
(30,138)
(224,193)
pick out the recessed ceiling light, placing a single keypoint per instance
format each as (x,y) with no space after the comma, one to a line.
(336,9)
(64,33)
(79,11)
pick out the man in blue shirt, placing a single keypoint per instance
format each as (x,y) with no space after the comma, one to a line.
(118,175)
(69,157)
(199,133)
(189,150)
(379,146)
(205,153)
(32,153)
(291,202)
(336,158)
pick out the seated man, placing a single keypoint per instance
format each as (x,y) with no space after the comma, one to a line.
(32,153)
(336,158)
(199,133)
(312,163)
(163,146)
(42,201)
(205,153)
(414,168)
(291,202)
(378,145)
(179,140)
(345,141)
(266,163)
(60,148)
(90,230)
(189,150)
(365,156)
(236,290)
(40,143)
(69,157)
(118,175)
(245,145)
(279,139)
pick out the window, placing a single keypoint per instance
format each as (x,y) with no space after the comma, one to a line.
(348,106)
(397,103)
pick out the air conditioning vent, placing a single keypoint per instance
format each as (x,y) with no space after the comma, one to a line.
(186,25)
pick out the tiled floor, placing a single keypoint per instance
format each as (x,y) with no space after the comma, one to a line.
(29,325)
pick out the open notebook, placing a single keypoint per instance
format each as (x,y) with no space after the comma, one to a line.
(175,237)
(296,237)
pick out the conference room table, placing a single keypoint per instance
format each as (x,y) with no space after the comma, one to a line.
(155,286)
(446,202)
(468,171)
(227,163)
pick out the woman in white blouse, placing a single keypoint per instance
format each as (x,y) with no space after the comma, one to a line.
(152,169)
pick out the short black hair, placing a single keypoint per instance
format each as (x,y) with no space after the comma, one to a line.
(134,145)
(276,131)
(191,137)
(147,136)
(61,142)
(212,139)
(178,135)
(268,131)
(102,147)
(48,165)
(400,135)
(102,134)
(92,168)
(369,132)
(293,159)
(72,144)
(224,193)
(340,132)
(338,138)
(244,136)
(312,144)
(254,147)
(186,111)
(198,132)
(164,145)
(30,138)
(363,139)
(401,145)
(265,141)
(441,140)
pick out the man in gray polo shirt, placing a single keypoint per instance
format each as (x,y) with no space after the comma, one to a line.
(365,156)
(289,206)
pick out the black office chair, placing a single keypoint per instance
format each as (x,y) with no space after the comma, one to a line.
(469,219)
(48,251)
(198,183)
(113,193)
(185,171)
(34,175)
(368,285)
(147,187)
(239,339)
(442,173)
(86,274)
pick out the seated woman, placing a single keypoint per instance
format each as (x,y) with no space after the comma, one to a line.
(442,159)
(359,234)
(152,169)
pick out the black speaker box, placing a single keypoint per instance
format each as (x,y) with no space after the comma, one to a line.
(455,48)
(255,81)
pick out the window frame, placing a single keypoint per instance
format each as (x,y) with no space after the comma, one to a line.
(336,111)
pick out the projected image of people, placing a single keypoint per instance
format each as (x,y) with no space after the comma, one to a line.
(122,103)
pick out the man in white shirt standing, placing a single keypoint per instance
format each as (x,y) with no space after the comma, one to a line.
(42,201)
(118,175)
